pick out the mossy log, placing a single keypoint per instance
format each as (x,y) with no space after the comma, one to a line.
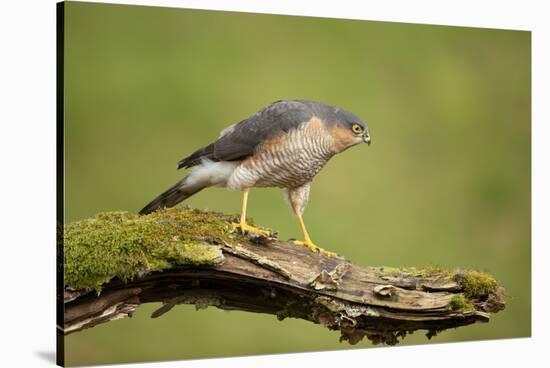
(117,261)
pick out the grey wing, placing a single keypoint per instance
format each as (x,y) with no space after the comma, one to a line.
(239,141)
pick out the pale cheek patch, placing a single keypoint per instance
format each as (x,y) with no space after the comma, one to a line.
(343,138)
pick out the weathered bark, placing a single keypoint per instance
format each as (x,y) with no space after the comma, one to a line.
(286,280)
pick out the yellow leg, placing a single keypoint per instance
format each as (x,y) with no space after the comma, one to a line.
(307,240)
(243,226)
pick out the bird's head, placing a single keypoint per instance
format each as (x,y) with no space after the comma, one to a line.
(348,130)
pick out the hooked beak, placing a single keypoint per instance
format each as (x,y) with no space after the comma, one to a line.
(366,139)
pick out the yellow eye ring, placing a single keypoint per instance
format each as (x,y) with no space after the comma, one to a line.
(356,128)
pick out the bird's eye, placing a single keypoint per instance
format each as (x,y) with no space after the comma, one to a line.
(356,128)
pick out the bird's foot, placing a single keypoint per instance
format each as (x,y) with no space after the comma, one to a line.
(309,244)
(249,229)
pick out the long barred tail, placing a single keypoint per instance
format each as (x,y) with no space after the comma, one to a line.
(174,195)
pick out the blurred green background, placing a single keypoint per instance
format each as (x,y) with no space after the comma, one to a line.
(446,180)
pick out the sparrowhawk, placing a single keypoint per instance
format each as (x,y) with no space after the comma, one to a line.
(283,145)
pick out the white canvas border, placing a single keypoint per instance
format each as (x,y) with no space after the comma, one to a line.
(27,154)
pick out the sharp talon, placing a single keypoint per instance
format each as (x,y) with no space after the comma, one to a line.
(248,229)
(312,247)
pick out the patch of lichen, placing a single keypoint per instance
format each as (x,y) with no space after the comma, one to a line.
(477,283)
(427,271)
(474,284)
(124,245)
(460,302)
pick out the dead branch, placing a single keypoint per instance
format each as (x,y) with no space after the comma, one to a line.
(289,281)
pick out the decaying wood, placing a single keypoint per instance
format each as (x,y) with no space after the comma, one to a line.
(290,281)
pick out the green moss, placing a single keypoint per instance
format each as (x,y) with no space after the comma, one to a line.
(191,254)
(477,283)
(474,284)
(460,302)
(124,245)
